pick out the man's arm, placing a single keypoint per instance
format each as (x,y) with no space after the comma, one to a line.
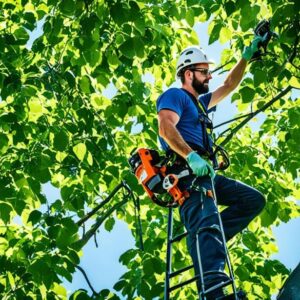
(236,74)
(231,82)
(167,120)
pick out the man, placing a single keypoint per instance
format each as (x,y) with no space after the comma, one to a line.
(182,131)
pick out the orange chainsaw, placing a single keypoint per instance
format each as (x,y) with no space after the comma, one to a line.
(151,171)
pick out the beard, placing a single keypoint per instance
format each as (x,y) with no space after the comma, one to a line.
(199,87)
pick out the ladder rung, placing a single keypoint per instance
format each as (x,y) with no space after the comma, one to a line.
(178,237)
(217,286)
(222,284)
(180,271)
(208,228)
(183,283)
(216,272)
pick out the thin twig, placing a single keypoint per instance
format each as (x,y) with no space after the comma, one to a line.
(87,279)
(244,122)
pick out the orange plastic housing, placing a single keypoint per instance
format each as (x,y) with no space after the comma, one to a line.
(149,174)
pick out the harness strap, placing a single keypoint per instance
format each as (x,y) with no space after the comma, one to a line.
(204,121)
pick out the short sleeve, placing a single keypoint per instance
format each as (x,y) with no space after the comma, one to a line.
(173,99)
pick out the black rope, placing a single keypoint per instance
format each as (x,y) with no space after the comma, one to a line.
(137,215)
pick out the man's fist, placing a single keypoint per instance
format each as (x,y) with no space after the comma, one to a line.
(199,165)
(254,46)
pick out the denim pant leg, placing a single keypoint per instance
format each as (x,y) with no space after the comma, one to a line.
(199,211)
(244,204)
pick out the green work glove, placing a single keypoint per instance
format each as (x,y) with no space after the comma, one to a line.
(199,165)
(254,46)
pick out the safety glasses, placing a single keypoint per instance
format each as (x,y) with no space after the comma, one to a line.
(205,72)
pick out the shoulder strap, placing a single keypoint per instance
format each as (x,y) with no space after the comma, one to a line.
(198,104)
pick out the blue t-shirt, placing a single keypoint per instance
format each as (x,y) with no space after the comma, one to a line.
(180,102)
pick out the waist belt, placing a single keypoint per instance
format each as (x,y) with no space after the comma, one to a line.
(179,160)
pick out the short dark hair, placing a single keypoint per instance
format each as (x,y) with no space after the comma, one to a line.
(182,71)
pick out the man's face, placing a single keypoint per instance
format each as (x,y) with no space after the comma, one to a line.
(200,81)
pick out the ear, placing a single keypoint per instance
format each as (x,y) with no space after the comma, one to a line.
(189,75)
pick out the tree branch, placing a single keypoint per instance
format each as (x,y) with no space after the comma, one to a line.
(234,119)
(92,212)
(252,114)
(222,66)
(100,220)
(244,122)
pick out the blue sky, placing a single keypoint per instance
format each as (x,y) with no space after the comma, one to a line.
(101,264)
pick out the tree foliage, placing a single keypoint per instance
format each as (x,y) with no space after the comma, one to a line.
(57,125)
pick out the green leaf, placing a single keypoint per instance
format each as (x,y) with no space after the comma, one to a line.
(67,7)
(120,285)
(5,211)
(230,7)
(34,217)
(109,224)
(127,48)
(21,36)
(248,16)
(190,17)
(140,25)
(80,295)
(225,35)
(80,151)
(60,290)
(250,241)
(3,143)
(67,234)
(46,276)
(119,13)
(145,289)
(148,267)
(11,280)
(126,257)
(3,245)
(247,94)
(215,33)
(259,77)
(294,82)
(132,47)
(92,57)
(242,273)
(61,140)
(85,84)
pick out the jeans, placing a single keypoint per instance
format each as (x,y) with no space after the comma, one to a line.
(198,211)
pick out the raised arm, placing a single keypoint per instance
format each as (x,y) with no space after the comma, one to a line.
(231,82)
(236,74)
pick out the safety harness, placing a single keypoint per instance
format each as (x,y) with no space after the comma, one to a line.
(155,172)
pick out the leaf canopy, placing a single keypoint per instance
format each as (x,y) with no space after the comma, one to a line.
(58,126)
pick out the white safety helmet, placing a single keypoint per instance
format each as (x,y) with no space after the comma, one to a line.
(190,56)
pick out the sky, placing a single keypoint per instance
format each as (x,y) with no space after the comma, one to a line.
(101,264)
